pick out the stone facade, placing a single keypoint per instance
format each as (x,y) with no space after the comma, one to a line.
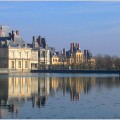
(19,59)
(15,59)
(14,52)
(40,58)
(78,57)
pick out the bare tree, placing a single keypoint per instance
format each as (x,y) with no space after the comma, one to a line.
(107,62)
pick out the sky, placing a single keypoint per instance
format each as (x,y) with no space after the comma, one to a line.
(94,25)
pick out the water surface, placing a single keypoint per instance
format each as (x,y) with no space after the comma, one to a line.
(59,96)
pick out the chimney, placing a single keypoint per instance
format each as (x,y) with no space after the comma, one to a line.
(88,53)
(34,39)
(71,47)
(78,46)
(39,40)
(13,36)
(73,44)
(0,31)
(17,32)
(64,52)
(85,53)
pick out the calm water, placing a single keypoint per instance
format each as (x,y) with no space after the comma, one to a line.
(59,96)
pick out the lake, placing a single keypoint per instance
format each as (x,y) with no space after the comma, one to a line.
(59,96)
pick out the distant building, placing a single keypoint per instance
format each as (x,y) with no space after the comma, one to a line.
(64,52)
(74,47)
(34,59)
(14,53)
(52,51)
(43,57)
(54,60)
(89,57)
(40,49)
(39,42)
(78,57)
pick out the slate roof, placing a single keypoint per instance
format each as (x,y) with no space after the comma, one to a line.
(7,37)
(19,42)
(38,48)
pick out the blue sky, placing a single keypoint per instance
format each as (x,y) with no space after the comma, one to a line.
(95,25)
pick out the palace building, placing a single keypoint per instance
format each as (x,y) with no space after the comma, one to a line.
(17,55)
(14,52)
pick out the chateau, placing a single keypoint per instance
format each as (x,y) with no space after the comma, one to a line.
(17,55)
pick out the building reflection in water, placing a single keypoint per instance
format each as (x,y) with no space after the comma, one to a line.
(73,85)
(15,91)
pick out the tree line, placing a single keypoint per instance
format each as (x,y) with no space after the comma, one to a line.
(107,62)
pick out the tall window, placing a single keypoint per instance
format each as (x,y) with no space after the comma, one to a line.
(77,56)
(41,54)
(12,64)
(12,55)
(26,64)
(19,55)
(19,64)
(26,55)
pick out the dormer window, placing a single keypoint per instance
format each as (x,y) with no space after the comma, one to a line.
(24,45)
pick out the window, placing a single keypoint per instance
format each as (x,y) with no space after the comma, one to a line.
(77,56)
(26,55)
(41,54)
(19,64)
(12,64)
(38,53)
(12,55)
(26,64)
(19,55)
(44,54)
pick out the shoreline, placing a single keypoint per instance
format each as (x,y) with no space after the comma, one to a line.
(65,71)
(78,71)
